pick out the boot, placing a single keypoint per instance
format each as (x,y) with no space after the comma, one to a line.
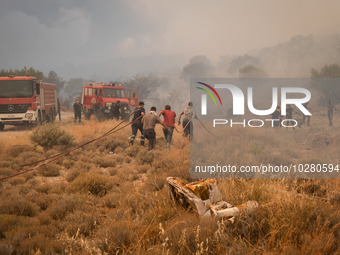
(132,139)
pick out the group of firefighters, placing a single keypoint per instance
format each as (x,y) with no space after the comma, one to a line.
(276,115)
(146,122)
(77,109)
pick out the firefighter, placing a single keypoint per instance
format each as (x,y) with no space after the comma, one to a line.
(58,102)
(289,115)
(149,122)
(137,123)
(77,110)
(330,110)
(188,126)
(169,120)
(117,110)
(276,115)
(304,117)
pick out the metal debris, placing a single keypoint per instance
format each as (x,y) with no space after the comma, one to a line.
(205,198)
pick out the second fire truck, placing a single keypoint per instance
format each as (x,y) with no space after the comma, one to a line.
(100,98)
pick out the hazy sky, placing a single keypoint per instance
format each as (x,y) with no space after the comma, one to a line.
(89,38)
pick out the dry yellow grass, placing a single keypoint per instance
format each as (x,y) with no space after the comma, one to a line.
(110,198)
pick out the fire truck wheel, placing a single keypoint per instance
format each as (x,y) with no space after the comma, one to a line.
(2,126)
(48,117)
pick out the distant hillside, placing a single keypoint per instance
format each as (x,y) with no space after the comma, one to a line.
(294,58)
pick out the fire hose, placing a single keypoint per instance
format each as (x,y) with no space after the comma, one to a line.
(60,155)
(200,123)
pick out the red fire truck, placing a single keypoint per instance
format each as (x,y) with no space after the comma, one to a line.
(26,100)
(100,98)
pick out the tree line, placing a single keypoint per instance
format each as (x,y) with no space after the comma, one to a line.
(149,84)
(51,77)
(327,82)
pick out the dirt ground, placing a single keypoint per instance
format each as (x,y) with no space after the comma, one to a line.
(19,130)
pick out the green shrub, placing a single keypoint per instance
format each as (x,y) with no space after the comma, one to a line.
(104,161)
(16,150)
(115,235)
(155,183)
(43,200)
(17,206)
(57,188)
(256,150)
(43,188)
(132,151)
(50,170)
(73,174)
(5,164)
(4,171)
(35,239)
(142,169)
(9,221)
(112,199)
(40,244)
(30,156)
(120,158)
(112,171)
(79,222)
(59,209)
(6,249)
(49,135)
(109,144)
(44,218)
(68,163)
(145,158)
(93,183)
(17,180)
(127,173)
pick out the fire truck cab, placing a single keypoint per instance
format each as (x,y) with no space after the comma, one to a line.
(100,98)
(26,100)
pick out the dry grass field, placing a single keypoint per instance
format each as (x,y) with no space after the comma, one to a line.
(111,198)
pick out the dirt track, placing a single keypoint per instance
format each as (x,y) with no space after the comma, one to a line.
(13,131)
